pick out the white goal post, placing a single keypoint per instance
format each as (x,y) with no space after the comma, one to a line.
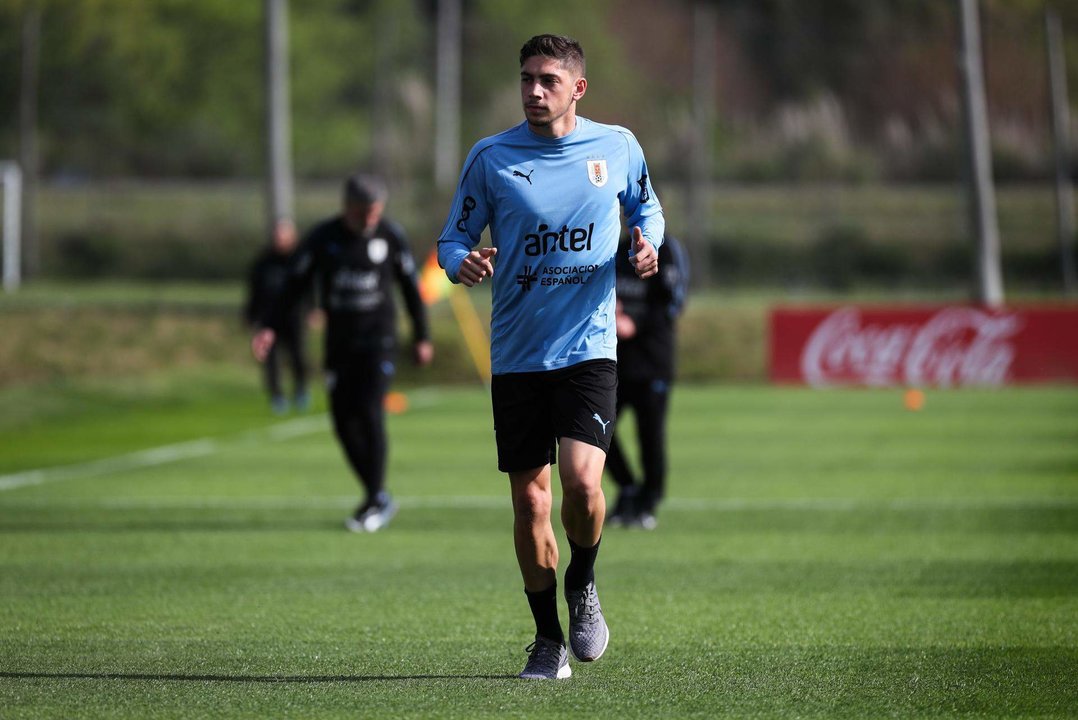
(11,183)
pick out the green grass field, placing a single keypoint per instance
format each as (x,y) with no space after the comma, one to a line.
(822,554)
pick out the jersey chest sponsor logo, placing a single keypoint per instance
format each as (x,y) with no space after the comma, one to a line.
(544,240)
(597,174)
(355,280)
(555,276)
(630,287)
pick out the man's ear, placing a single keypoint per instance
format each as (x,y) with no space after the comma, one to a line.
(579,88)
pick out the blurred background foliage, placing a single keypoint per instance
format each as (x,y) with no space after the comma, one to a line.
(838,130)
(808,90)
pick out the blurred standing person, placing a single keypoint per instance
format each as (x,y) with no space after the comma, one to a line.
(354,259)
(265,283)
(552,191)
(646,320)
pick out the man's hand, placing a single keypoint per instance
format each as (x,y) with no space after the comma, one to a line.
(423,352)
(624,325)
(261,342)
(644,258)
(477,266)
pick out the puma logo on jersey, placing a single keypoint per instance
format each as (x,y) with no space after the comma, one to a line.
(600,421)
(528,177)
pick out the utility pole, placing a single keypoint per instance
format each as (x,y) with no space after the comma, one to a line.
(280,194)
(28,148)
(698,197)
(1057,76)
(447,102)
(981,190)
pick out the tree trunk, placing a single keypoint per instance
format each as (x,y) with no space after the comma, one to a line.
(28,144)
(701,154)
(1057,74)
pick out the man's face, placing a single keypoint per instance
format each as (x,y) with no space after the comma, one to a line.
(284,236)
(548,90)
(363,217)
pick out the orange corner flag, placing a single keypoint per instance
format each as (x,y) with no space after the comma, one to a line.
(433,282)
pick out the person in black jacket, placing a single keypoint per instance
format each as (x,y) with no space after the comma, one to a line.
(354,259)
(265,283)
(646,319)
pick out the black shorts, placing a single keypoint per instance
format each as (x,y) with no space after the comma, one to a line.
(533,410)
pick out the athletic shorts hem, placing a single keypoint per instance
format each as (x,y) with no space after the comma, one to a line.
(593,440)
(514,469)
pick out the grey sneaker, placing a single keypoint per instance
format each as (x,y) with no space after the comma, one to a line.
(647,520)
(622,514)
(588,634)
(547,660)
(372,516)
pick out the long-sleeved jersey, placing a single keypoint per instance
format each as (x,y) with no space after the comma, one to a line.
(354,276)
(553,206)
(654,305)
(266,281)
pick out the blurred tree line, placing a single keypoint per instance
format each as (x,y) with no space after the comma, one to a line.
(808,89)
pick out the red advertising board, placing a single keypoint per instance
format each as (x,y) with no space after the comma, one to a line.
(923,346)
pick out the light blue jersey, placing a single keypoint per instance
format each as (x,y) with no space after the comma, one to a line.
(554,207)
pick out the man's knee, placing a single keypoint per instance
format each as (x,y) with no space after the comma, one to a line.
(581,490)
(531,502)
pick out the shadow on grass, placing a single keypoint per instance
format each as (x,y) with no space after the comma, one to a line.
(299,679)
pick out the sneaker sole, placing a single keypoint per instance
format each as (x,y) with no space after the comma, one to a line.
(353,525)
(564,672)
(372,524)
(379,521)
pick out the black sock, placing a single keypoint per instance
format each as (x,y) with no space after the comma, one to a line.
(544,605)
(581,570)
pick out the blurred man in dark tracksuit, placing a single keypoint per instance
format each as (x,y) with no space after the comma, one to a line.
(265,284)
(354,259)
(647,312)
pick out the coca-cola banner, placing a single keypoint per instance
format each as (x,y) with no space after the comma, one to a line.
(923,346)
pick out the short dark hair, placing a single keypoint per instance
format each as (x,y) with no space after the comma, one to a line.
(559,47)
(363,189)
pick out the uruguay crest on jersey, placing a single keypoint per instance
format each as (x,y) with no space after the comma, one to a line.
(597,172)
(377,250)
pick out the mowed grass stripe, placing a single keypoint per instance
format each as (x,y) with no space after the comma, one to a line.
(482,502)
(161,455)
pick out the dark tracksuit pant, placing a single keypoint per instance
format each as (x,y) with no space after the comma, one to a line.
(357,403)
(649,400)
(290,343)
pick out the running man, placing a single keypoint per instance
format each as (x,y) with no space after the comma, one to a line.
(551,190)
